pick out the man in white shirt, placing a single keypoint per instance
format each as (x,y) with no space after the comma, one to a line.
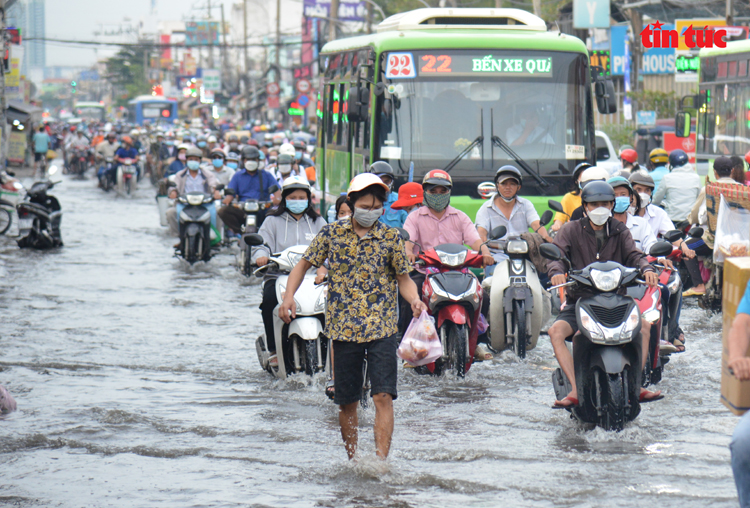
(679,189)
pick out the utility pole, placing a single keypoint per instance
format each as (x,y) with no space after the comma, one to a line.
(636,25)
(223,50)
(3,106)
(210,39)
(730,13)
(278,39)
(244,37)
(537,4)
(333,20)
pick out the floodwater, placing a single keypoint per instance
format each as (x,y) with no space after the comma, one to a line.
(138,384)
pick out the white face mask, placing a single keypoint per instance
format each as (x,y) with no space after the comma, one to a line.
(599,215)
(251,166)
(645,199)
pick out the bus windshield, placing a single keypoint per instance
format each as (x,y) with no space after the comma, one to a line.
(91,113)
(533,102)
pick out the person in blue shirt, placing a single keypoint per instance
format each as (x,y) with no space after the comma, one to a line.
(179,163)
(739,344)
(126,151)
(249,182)
(41,145)
(657,165)
(390,217)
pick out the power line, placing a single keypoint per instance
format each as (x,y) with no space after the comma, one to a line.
(158,45)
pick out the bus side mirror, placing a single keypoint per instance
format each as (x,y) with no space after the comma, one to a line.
(606,100)
(358,104)
(682,124)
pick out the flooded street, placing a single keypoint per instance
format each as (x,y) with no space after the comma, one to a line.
(138,384)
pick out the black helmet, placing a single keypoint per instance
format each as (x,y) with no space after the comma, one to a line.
(580,168)
(508,171)
(642,178)
(597,191)
(251,152)
(381,168)
(677,158)
(299,144)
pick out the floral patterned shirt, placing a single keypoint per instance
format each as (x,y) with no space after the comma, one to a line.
(362,300)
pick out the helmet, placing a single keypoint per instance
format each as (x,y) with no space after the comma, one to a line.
(619,181)
(299,144)
(642,178)
(623,148)
(506,172)
(218,151)
(183,147)
(201,137)
(232,156)
(747,157)
(364,180)
(381,168)
(211,139)
(677,158)
(658,156)
(594,173)
(250,152)
(252,142)
(629,155)
(294,182)
(287,148)
(234,138)
(580,168)
(194,152)
(159,134)
(127,139)
(437,177)
(134,132)
(597,191)
(284,159)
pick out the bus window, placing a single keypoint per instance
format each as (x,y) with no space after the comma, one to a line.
(726,118)
(331,112)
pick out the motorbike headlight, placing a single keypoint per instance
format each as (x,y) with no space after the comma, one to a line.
(17,186)
(631,322)
(250,220)
(437,290)
(674,285)
(517,247)
(251,206)
(452,259)
(320,304)
(195,199)
(606,281)
(590,325)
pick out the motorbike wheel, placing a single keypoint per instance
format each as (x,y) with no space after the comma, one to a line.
(457,343)
(247,268)
(614,400)
(192,248)
(519,315)
(5,220)
(311,357)
(128,186)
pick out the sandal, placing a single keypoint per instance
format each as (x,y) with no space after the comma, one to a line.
(330,389)
(481,354)
(647,396)
(692,292)
(566,403)
(679,340)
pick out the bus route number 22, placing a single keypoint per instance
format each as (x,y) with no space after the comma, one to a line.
(441,63)
(400,65)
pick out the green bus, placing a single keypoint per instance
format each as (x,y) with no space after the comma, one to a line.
(722,103)
(465,90)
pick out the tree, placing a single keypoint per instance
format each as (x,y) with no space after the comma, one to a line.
(126,73)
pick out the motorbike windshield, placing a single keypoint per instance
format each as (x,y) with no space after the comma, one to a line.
(460,108)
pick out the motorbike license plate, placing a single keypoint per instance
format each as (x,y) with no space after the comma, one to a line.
(128,170)
(250,220)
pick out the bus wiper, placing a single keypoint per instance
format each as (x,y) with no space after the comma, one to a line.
(496,141)
(478,141)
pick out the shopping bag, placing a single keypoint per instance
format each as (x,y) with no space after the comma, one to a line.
(420,344)
(732,232)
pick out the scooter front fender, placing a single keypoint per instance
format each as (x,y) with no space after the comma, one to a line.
(453,312)
(611,360)
(307,328)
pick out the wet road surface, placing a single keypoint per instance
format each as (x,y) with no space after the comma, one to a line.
(138,384)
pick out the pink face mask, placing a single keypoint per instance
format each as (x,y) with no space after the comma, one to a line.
(181,156)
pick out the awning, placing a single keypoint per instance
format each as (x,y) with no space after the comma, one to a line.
(22,111)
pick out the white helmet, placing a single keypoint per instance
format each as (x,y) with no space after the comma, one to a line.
(295,182)
(595,173)
(135,132)
(288,149)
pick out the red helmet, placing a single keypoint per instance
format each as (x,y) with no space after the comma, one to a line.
(747,157)
(629,155)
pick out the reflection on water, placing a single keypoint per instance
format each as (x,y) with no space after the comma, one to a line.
(138,385)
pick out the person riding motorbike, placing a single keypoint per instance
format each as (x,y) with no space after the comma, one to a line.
(178,164)
(572,200)
(77,142)
(233,144)
(595,237)
(294,222)
(657,164)
(507,208)
(127,151)
(135,136)
(592,174)
(391,217)
(629,160)
(410,197)
(233,161)
(679,189)
(104,150)
(247,183)
(657,218)
(438,223)
(284,168)
(193,178)
(202,143)
(220,170)
(300,153)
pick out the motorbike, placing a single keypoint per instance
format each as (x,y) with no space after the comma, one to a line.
(300,345)
(453,296)
(195,227)
(126,176)
(607,347)
(519,306)
(255,212)
(39,215)
(79,162)
(108,178)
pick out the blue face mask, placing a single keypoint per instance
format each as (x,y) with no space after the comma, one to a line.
(169,143)
(296,205)
(217,163)
(201,144)
(193,165)
(232,165)
(298,156)
(622,203)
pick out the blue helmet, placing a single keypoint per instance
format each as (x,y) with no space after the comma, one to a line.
(677,158)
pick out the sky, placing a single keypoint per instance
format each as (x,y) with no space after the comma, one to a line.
(79,19)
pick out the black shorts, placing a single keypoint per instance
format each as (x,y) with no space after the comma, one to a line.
(348,363)
(568,314)
(38,156)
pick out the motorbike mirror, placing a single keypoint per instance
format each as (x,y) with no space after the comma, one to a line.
(273,189)
(551,251)
(219,186)
(229,192)
(254,240)
(172,178)
(498,232)
(660,248)
(672,236)
(696,232)
(546,218)
(556,206)
(11,173)
(404,234)
(171,184)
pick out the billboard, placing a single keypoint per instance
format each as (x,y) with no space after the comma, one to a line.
(198,33)
(654,60)
(349,10)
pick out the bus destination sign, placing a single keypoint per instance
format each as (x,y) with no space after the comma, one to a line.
(464,64)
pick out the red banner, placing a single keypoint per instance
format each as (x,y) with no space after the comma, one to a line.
(672,142)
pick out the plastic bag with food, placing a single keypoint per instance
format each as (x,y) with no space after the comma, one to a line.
(732,232)
(421,344)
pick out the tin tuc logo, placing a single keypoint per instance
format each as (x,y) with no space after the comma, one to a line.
(705,37)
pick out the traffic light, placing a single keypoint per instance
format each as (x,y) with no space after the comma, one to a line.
(73,85)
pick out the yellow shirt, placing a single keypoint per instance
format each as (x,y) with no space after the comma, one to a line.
(569,203)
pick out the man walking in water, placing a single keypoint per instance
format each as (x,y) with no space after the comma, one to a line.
(367,262)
